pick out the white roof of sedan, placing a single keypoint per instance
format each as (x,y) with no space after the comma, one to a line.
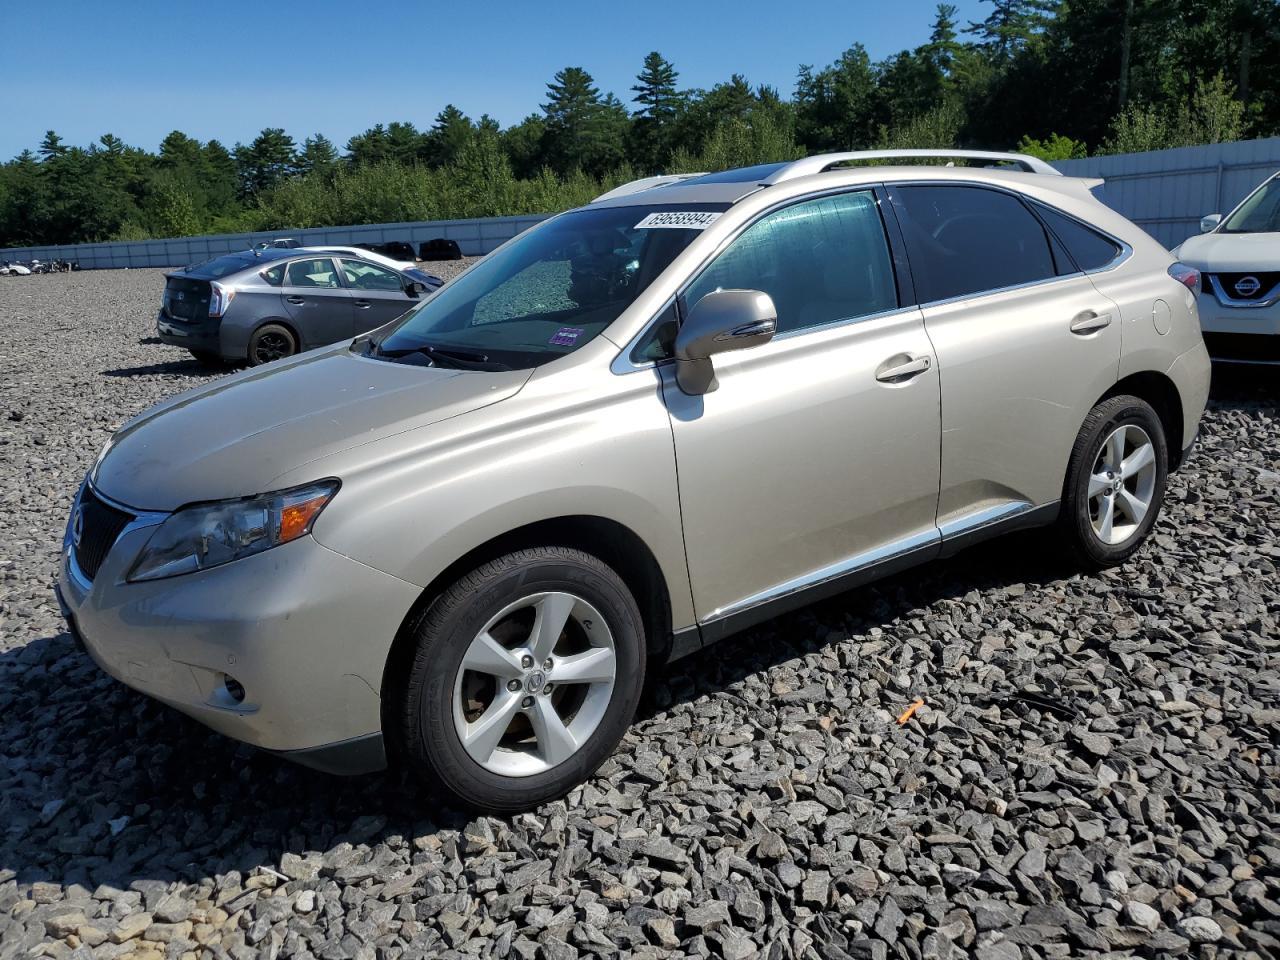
(366,254)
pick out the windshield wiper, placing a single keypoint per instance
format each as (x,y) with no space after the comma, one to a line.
(445,357)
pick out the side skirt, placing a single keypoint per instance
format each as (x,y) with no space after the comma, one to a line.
(953,538)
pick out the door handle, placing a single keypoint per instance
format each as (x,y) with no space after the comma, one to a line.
(904,370)
(295,299)
(362,304)
(1088,321)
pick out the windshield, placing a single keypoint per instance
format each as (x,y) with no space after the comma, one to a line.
(550,291)
(1260,213)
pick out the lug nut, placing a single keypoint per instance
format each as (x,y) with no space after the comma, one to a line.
(527,702)
(546,664)
(513,685)
(526,661)
(547,689)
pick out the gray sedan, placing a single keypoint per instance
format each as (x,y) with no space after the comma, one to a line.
(262,305)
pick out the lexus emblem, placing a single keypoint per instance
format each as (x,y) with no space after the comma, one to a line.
(77,527)
(1248,286)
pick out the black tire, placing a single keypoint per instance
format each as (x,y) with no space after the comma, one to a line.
(1076,521)
(419,718)
(271,341)
(207,358)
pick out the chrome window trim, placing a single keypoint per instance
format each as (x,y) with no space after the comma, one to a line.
(141,519)
(1226,300)
(622,364)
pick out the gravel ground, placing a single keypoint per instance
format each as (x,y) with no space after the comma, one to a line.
(1093,770)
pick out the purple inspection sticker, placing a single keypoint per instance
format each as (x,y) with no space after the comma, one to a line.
(566,336)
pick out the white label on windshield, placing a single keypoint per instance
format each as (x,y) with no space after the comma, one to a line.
(679,220)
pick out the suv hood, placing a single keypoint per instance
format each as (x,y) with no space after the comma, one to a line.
(236,436)
(1231,252)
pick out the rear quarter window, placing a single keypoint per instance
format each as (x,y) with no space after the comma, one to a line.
(274,276)
(1089,249)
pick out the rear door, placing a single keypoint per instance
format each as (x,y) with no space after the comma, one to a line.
(1026,345)
(317,302)
(377,293)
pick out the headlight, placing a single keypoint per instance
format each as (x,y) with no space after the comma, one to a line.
(209,534)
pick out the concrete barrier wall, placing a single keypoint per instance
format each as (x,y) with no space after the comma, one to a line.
(1166,192)
(474,237)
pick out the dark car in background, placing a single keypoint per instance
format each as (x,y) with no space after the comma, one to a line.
(261,305)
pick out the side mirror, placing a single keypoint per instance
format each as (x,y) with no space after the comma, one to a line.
(415,288)
(721,321)
(1209,222)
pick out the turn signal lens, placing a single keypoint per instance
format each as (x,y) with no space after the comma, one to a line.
(296,517)
(1189,277)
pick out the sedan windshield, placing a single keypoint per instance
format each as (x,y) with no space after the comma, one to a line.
(549,292)
(1260,213)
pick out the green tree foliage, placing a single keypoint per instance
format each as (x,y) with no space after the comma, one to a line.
(653,123)
(1053,77)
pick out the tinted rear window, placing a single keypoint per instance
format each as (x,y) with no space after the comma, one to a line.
(967,240)
(221,266)
(1088,248)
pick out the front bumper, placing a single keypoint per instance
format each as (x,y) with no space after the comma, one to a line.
(202,335)
(304,630)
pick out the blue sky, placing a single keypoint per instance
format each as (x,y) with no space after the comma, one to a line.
(140,68)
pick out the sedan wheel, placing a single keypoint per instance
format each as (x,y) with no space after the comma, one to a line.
(271,342)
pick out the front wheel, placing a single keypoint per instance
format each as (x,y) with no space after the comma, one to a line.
(524,676)
(271,341)
(1115,482)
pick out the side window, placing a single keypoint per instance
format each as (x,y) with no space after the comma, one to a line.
(969,240)
(274,276)
(312,273)
(660,341)
(366,276)
(1088,248)
(820,260)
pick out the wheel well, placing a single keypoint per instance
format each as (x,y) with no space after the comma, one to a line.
(1159,391)
(608,540)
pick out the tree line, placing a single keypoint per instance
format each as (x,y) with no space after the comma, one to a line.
(1047,77)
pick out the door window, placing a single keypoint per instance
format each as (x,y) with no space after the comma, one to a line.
(820,260)
(968,240)
(312,273)
(366,276)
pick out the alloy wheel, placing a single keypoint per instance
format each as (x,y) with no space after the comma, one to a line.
(534,684)
(271,346)
(1122,484)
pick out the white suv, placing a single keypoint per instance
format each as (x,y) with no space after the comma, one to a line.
(1239,261)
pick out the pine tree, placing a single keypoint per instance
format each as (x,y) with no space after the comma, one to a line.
(318,155)
(52,147)
(451,132)
(583,131)
(655,91)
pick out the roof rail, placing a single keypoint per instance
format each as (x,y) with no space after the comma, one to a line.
(824,162)
(645,183)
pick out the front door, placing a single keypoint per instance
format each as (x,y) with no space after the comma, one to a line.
(817,456)
(316,302)
(378,295)
(1026,343)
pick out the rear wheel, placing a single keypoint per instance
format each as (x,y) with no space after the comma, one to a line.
(524,677)
(1115,482)
(271,341)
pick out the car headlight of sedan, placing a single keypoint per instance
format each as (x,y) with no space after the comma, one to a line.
(210,534)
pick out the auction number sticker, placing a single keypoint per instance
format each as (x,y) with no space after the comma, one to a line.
(679,220)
